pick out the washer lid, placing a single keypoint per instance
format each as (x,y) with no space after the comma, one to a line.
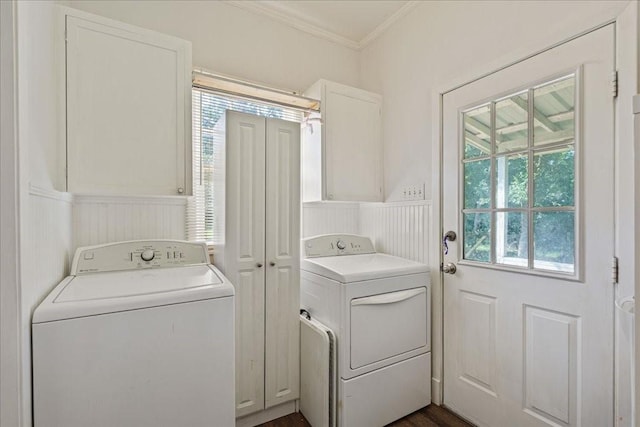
(356,268)
(103,293)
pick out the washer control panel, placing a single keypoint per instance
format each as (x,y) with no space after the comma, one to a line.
(337,244)
(138,254)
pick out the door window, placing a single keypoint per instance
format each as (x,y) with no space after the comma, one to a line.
(519,179)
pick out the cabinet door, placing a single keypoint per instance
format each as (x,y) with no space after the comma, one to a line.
(283,260)
(128,109)
(352,144)
(244,252)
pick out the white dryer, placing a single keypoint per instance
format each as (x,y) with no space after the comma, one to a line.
(378,306)
(140,334)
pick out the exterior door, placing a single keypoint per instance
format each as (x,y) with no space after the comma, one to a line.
(245,251)
(282,369)
(528,190)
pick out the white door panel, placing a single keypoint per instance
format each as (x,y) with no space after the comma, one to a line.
(353,144)
(282,262)
(127,93)
(245,249)
(528,335)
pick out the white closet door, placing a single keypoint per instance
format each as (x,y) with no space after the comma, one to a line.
(244,252)
(283,261)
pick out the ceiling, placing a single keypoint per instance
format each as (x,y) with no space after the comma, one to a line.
(350,23)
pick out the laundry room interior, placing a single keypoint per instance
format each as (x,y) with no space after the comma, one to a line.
(319,213)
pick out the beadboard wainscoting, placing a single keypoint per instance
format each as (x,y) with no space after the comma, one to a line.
(330,217)
(397,228)
(105,219)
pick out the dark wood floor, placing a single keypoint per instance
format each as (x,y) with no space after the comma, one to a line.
(431,416)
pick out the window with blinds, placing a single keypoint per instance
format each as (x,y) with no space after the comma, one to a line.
(205,217)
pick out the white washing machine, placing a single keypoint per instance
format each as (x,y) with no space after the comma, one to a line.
(140,334)
(378,306)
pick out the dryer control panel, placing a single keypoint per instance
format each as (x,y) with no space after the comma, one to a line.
(138,254)
(337,244)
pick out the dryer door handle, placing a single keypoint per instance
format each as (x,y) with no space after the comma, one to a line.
(389,298)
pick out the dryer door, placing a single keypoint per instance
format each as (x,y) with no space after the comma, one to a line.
(387,325)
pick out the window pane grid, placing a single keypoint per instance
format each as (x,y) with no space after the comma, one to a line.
(528,218)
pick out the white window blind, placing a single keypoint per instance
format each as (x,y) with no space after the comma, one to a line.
(205,216)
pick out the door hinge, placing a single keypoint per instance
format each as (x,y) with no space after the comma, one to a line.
(614,270)
(614,84)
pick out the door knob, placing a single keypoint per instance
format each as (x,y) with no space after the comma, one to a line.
(449,268)
(259,265)
(272,263)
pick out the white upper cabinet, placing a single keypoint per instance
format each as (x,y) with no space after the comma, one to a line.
(342,159)
(128,108)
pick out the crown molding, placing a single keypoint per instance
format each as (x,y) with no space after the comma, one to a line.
(404,10)
(113,199)
(295,22)
(299,23)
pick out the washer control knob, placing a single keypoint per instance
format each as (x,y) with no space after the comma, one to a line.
(147,255)
(341,245)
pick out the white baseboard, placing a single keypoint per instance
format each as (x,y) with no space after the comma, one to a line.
(436,391)
(267,415)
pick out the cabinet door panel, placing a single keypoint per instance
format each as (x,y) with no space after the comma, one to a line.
(282,250)
(128,101)
(352,146)
(244,252)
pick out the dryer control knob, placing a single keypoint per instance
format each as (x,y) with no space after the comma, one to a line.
(147,255)
(341,245)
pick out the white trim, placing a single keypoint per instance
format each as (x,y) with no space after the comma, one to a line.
(281,14)
(294,22)
(380,29)
(368,204)
(437,304)
(11,390)
(37,191)
(627,232)
(321,203)
(80,199)
(397,203)
(436,390)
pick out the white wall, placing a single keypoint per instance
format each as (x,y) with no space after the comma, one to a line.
(9,243)
(233,41)
(439,42)
(45,214)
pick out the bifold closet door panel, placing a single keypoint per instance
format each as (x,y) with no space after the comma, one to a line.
(245,252)
(282,262)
